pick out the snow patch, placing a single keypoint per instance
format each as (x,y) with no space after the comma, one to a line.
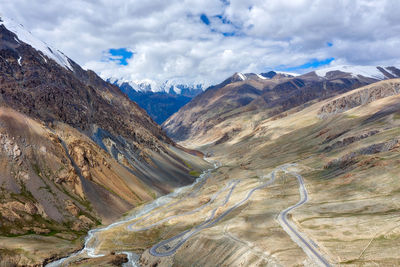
(147,85)
(261,77)
(177,90)
(366,71)
(26,37)
(288,73)
(19,60)
(391,72)
(45,60)
(241,76)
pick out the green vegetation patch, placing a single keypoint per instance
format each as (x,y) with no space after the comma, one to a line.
(194,173)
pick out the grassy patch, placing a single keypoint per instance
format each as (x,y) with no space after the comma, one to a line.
(11,252)
(396,116)
(351,116)
(194,173)
(187,164)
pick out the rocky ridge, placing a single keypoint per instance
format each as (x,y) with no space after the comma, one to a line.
(272,94)
(360,97)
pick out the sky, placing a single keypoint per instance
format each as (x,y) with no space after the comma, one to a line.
(205,41)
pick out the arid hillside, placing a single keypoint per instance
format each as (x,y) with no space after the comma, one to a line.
(347,163)
(75,151)
(264,96)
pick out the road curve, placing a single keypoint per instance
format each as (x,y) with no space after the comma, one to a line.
(213,198)
(177,241)
(308,246)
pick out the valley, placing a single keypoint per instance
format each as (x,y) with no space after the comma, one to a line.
(292,160)
(289,195)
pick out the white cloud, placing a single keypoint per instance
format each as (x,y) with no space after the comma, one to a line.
(171,42)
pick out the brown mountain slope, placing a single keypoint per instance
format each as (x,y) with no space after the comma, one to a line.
(349,164)
(74,152)
(255,95)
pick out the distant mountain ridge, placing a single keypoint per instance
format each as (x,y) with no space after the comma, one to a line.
(158,104)
(272,92)
(169,86)
(161,101)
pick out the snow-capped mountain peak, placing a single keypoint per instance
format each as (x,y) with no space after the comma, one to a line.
(25,36)
(241,76)
(169,86)
(261,77)
(355,71)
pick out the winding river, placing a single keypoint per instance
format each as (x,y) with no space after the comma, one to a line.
(164,202)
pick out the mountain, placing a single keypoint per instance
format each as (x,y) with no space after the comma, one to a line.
(270,94)
(169,86)
(75,152)
(314,185)
(162,102)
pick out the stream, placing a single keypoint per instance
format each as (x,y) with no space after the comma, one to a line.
(89,249)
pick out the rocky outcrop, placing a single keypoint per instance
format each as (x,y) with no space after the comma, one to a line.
(84,223)
(112,259)
(351,158)
(349,140)
(360,97)
(9,147)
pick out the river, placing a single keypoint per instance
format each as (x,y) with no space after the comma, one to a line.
(89,249)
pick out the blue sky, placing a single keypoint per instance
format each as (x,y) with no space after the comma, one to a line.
(312,64)
(120,55)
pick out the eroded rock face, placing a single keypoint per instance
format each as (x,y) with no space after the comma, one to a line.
(84,158)
(14,210)
(84,223)
(360,97)
(30,208)
(351,158)
(10,147)
(72,208)
(349,140)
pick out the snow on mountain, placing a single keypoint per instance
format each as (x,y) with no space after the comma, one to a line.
(271,74)
(366,71)
(25,36)
(241,76)
(168,86)
(288,73)
(261,77)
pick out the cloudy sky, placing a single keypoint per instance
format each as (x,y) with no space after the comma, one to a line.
(197,41)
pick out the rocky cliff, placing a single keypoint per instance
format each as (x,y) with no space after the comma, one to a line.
(360,97)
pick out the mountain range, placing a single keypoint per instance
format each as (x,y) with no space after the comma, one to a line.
(162,100)
(308,176)
(75,152)
(301,170)
(272,93)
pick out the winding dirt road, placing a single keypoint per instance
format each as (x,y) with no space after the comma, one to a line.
(308,246)
(169,246)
